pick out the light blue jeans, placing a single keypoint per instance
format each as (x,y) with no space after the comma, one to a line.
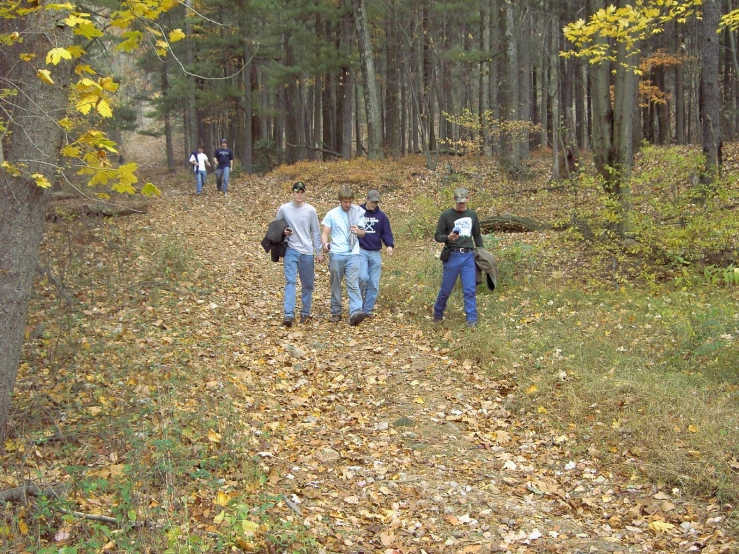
(370,268)
(462,266)
(344,266)
(297,264)
(222,174)
(200,180)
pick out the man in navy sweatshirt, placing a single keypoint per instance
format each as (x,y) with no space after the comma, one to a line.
(377,232)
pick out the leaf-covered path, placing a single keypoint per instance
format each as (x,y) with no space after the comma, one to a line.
(378,440)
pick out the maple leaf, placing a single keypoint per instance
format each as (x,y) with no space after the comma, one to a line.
(55,55)
(45,76)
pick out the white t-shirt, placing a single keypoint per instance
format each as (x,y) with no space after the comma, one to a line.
(201,158)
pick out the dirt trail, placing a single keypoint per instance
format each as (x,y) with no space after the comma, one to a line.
(382,443)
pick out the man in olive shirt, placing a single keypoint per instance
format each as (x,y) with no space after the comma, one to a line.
(457,228)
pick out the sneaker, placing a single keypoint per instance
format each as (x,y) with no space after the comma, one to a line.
(370,316)
(438,318)
(335,318)
(472,324)
(288,321)
(305,318)
(356,318)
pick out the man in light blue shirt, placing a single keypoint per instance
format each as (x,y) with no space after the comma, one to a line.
(345,224)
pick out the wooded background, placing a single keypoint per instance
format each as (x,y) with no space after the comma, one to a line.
(283,81)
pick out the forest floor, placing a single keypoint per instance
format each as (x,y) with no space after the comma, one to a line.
(375,438)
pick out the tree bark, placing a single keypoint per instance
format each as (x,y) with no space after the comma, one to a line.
(710,96)
(371,95)
(32,132)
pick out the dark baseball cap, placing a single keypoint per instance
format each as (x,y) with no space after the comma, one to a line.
(223,140)
(373,196)
(298,186)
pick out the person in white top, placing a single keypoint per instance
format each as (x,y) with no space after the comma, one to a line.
(303,240)
(199,161)
(346,225)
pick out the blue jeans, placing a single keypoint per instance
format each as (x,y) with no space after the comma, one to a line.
(297,264)
(370,268)
(200,180)
(346,266)
(222,174)
(462,266)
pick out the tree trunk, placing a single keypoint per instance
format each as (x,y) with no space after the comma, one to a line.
(171,164)
(710,97)
(392,90)
(347,86)
(371,96)
(679,104)
(33,133)
(247,161)
(511,147)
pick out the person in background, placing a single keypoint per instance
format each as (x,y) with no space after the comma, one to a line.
(303,239)
(377,232)
(458,227)
(345,224)
(223,157)
(199,160)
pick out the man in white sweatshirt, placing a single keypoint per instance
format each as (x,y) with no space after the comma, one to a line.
(303,240)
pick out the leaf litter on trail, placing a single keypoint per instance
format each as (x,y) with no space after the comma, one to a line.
(380,440)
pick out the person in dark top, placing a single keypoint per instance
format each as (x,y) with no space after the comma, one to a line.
(223,157)
(459,229)
(377,231)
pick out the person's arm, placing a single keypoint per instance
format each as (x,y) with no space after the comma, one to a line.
(316,236)
(324,236)
(193,159)
(358,228)
(231,159)
(387,234)
(442,229)
(476,233)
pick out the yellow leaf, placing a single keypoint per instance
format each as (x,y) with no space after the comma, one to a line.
(149,189)
(176,35)
(27,57)
(94,410)
(221,498)
(23,527)
(532,389)
(213,436)
(107,83)
(45,76)
(66,124)
(418,400)
(41,180)
(83,68)
(70,151)
(249,527)
(541,410)
(55,55)
(104,109)
(692,429)
(219,518)
(660,526)
(88,30)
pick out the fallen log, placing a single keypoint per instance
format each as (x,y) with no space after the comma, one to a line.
(24,491)
(98,209)
(512,224)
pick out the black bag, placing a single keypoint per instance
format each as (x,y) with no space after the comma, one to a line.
(445,253)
